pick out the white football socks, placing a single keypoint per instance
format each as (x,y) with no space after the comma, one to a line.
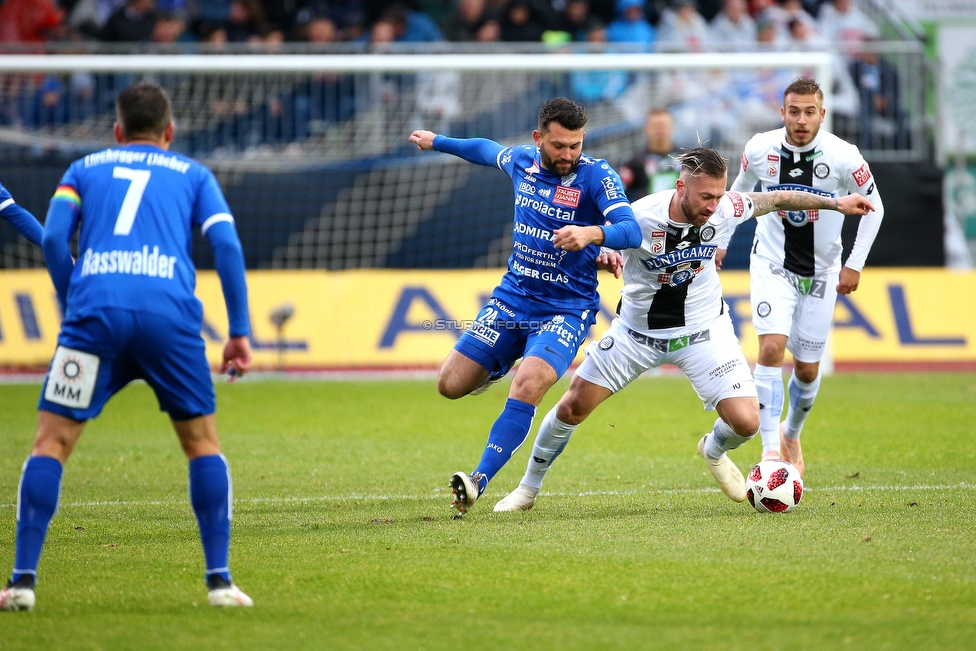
(723,439)
(769,386)
(549,443)
(802,395)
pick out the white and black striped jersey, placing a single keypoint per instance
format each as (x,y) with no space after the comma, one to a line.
(808,242)
(670,282)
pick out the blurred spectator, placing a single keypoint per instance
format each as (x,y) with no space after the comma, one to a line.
(244,21)
(682,29)
(88,17)
(168,28)
(597,85)
(489,31)
(401,25)
(841,22)
(882,123)
(212,34)
(462,24)
(767,35)
(576,20)
(132,23)
(320,30)
(785,11)
(655,168)
(733,30)
(348,16)
(631,26)
(28,21)
(519,23)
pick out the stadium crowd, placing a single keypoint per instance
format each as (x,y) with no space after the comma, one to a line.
(665,25)
(865,94)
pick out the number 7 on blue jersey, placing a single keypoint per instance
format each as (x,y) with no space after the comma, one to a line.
(133,196)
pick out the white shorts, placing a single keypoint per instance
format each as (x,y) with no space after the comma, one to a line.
(800,308)
(710,357)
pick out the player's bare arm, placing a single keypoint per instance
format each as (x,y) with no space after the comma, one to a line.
(576,238)
(765,202)
(423,139)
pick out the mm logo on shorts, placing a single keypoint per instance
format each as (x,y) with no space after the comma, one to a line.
(71,378)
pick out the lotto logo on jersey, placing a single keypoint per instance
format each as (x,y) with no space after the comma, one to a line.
(569,197)
(862,175)
(738,205)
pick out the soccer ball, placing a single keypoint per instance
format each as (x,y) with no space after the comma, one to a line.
(774,486)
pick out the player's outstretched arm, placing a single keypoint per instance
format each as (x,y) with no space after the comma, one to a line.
(21,219)
(480,151)
(766,202)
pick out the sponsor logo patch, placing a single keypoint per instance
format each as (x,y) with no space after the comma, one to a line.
(821,171)
(763,309)
(483,332)
(707,233)
(526,187)
(773,157)
(658,239)
(738,205)
(862,175)
(771,171)
(71,378)
(612,189)
(569,197)
(606,343)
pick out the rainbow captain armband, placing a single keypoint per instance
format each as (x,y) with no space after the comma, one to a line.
(68,194)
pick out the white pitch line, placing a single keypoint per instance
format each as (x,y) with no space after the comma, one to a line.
(444,494)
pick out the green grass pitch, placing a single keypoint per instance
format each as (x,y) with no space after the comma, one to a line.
(343,536)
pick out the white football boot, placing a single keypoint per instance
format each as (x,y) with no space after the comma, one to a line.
(14,597)
(465,489)
(228,596)
(728,476)
(520,499)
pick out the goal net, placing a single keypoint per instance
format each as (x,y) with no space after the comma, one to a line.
(312,151)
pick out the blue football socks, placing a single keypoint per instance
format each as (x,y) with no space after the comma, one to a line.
(506,436)
(210,496)
(37,501)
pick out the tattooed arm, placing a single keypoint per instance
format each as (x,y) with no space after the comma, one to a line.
(765,202)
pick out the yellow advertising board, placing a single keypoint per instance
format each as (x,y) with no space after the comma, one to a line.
(393,318)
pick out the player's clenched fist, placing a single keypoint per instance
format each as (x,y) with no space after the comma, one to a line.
(423,139)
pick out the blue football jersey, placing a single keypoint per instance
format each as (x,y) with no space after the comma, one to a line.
(6,199)
(138,206)
(544,203)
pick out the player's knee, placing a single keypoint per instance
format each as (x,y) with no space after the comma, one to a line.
(448,387)
(745,423)
(807,372)
(570,411)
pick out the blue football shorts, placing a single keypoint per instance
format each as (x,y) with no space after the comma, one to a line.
(99,354)
(504,331)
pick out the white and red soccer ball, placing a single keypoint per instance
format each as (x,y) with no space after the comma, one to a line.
(774,486)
